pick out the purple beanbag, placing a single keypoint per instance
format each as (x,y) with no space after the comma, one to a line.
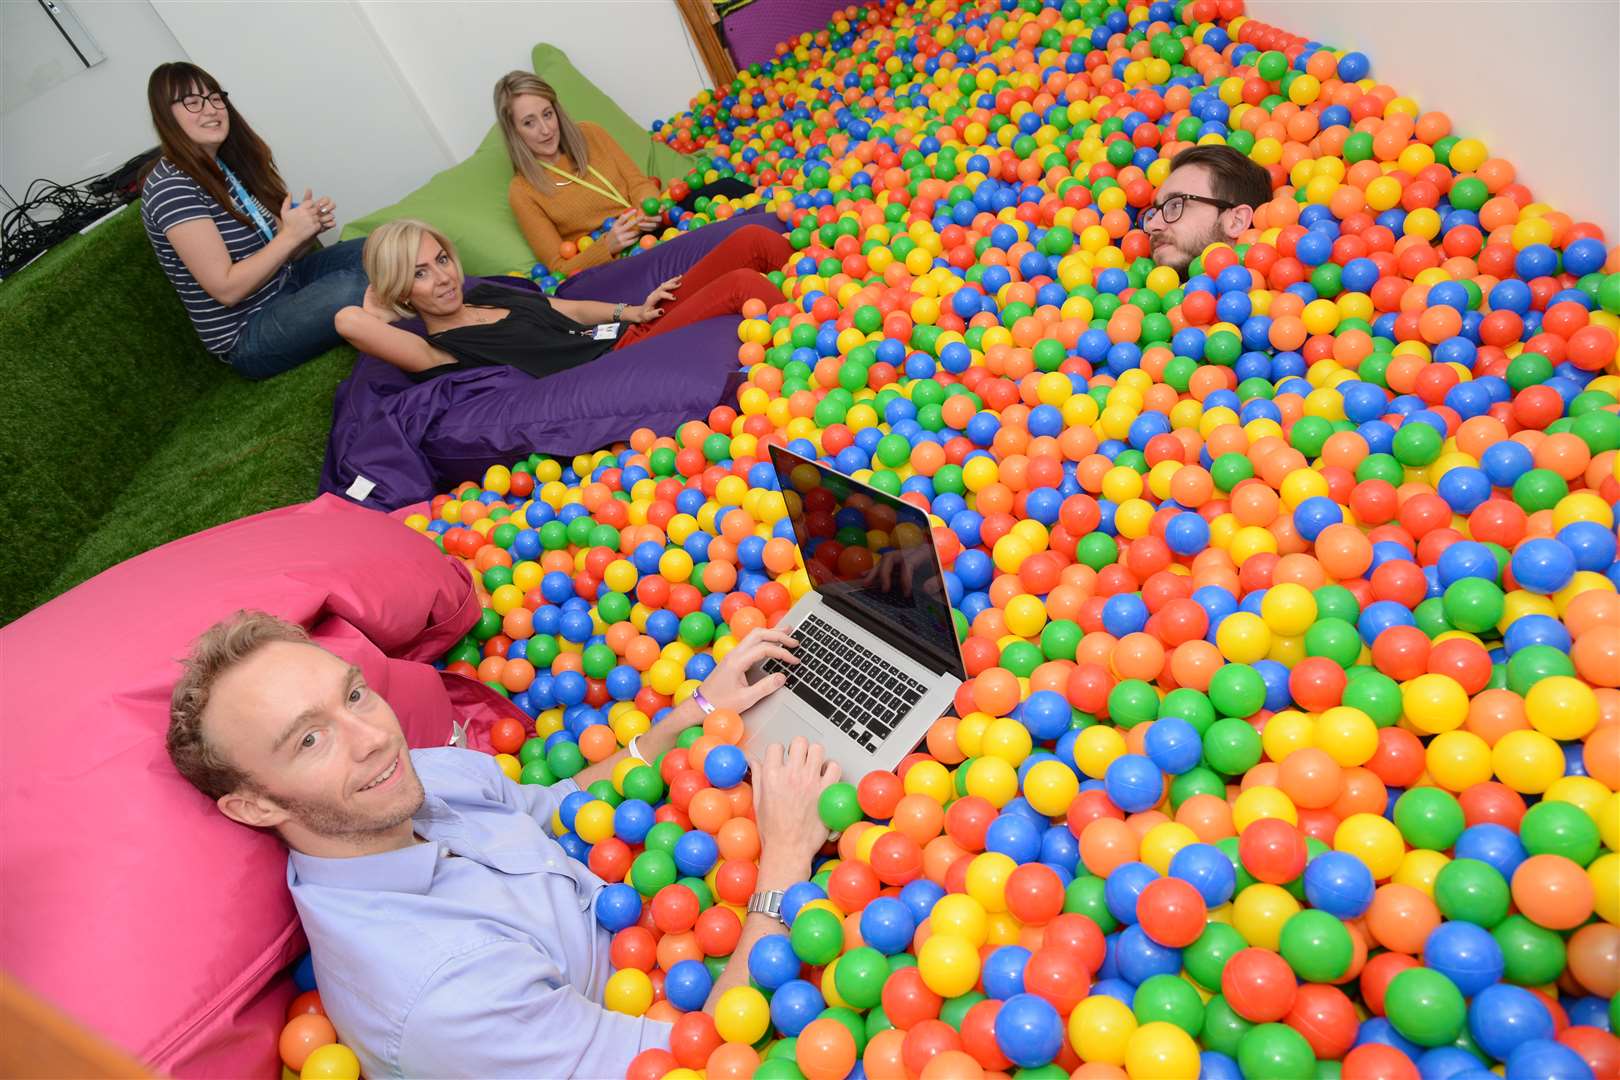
(395,441)
(629,280)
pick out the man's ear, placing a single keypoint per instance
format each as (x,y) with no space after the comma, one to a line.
(1236,220)
(251,808)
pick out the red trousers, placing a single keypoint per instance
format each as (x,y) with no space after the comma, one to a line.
(721,282)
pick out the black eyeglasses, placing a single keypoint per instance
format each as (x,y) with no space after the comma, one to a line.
(194,102)
(1172,207)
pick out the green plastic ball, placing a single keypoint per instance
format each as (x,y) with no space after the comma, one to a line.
(839,807)
(1425,1006)
(1275,1052)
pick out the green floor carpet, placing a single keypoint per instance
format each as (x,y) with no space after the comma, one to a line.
(118,432)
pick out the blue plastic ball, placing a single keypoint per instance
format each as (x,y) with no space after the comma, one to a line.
(1133,783)
(1339,884)
(687,985)
(1466,954)
(772,962)
(1029,1030)
(888,925)
(618,906)
(725,766)
(1503,1017)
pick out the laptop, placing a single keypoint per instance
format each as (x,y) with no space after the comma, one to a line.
(878,656)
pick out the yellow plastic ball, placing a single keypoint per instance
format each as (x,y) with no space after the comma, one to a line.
(742,1015)
(960,915)
(1372,839)
(948,964)
(994,780)
(1433,703)
(594,823)
(1025,615)
(1007,739)
(1288,608)
(929,778)
(1562,707)
(1100,1029)
(1050,786)
(987,880)
(1243,637)
(334,1061)
(1527,761)
(1096,748)
(1262,802)
(1419,868)
(1259,912)
(630,991)
(1160,844)
(1457,760)
(1160,1049)
(1349,735)
(1604,873)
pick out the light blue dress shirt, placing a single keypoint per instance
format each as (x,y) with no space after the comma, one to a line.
(474,954)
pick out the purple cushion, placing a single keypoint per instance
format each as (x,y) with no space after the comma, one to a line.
(630,279)
(752,32)
(410,439)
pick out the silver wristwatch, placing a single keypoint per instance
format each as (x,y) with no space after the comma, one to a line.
(766,903)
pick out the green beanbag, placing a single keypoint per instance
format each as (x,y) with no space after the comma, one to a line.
(468,201)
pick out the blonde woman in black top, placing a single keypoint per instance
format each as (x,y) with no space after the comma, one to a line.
(414,272)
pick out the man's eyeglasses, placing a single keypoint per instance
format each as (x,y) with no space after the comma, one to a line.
(1172,207)
(194,102)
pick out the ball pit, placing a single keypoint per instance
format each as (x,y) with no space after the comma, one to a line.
(1287,593)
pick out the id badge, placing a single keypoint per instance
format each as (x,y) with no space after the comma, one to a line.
(605,331)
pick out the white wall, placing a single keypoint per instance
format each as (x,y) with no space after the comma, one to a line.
(637,51)
(1534,80)
(96,118)
(321,90)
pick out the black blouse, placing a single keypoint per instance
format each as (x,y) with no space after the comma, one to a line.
(535,337)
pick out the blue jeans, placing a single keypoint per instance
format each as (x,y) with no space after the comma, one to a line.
(297,325)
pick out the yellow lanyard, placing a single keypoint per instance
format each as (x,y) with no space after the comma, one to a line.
(608,191)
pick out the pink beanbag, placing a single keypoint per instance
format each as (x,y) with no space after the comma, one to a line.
(125,896)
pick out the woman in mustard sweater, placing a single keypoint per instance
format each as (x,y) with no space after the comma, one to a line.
(568,178)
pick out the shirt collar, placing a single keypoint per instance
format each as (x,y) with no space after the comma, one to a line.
(407,870)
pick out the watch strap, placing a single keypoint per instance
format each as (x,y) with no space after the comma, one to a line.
(767,903)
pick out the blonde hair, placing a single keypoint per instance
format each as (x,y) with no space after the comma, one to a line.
(220,648)
(571,140)
(389,259)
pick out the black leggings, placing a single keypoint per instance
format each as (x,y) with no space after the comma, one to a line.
(729,186)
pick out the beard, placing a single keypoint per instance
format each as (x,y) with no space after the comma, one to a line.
(1179,257)
(329,820)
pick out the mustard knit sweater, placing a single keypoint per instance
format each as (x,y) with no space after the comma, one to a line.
(573,210)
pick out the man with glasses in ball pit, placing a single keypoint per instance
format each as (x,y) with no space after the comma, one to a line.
(1209,198)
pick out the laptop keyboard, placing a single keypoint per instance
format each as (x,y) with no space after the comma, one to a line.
(864,695)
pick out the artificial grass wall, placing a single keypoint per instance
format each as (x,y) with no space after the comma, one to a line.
(119,432)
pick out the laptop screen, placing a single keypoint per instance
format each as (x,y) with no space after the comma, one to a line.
(872,558)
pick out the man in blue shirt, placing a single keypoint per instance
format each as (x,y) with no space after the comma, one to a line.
(452,935)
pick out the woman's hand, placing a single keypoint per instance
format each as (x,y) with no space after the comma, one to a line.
(307,220)
(787,792)
(626,231)
(727,686)
(649,310)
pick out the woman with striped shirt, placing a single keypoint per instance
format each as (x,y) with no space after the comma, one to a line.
(231,239)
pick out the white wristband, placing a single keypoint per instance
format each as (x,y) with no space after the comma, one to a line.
(634,751)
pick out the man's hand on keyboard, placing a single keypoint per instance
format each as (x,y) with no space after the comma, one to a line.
(788,782)
(727,686)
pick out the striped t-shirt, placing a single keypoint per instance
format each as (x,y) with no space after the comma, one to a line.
(170,197)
